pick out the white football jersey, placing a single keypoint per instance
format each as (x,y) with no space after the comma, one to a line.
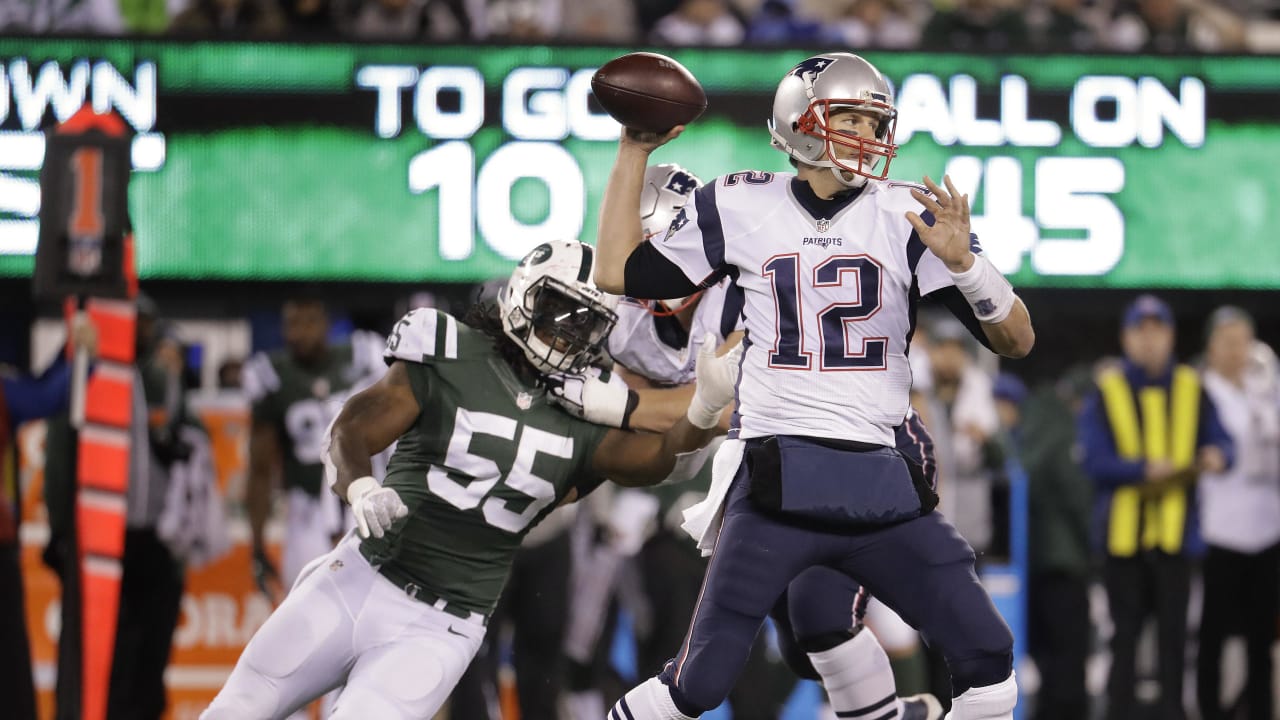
(637,344)
(830,289)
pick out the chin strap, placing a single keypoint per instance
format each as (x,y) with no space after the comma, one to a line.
(659,308)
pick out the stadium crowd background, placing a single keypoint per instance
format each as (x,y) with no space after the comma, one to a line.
(1148,26)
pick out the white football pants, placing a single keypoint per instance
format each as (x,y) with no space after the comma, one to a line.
(345,624)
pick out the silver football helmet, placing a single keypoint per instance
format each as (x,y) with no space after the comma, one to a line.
(667,187)
(552,309)
(803,105)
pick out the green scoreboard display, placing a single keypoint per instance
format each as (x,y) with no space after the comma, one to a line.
(266,161)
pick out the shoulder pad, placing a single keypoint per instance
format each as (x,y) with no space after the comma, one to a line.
(897,194)
(424,335)
(259,378)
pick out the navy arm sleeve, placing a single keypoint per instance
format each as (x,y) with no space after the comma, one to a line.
(1101,461)
(952,299)
(649,275)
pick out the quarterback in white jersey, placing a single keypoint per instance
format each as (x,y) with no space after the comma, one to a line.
(832,261)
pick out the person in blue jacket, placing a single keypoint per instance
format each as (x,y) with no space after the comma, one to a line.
(1147,432)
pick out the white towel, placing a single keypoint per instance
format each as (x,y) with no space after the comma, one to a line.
(702,521)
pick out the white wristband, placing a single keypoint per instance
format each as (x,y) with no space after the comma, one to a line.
(359,487)
(988,293)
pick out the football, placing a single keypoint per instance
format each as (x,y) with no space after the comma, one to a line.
(648,92)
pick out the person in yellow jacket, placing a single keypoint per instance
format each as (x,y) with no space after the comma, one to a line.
(1146,434)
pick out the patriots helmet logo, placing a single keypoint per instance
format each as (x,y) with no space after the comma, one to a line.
(681,183)
(814,65)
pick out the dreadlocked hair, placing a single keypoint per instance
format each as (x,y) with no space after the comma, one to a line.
(486,317)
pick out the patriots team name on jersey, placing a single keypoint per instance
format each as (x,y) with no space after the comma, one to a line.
(824,242)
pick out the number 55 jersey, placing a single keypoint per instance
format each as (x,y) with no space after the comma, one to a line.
(831,288)
(486,460)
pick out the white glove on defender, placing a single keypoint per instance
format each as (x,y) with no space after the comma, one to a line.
(717,379)
(588,397)
(376,508)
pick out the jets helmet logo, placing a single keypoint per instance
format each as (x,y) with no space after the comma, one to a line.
(537,255)
(814,65)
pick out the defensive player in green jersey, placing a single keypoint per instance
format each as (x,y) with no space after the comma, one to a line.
(395,613)
(296,391)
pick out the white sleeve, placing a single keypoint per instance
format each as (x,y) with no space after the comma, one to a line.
(695,241)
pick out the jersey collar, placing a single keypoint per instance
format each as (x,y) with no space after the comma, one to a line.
(817,207)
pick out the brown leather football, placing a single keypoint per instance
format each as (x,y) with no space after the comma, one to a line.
(649,92)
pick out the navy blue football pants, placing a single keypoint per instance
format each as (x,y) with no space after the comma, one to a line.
(921,568)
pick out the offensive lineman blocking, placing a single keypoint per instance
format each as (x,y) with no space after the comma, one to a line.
(832,261)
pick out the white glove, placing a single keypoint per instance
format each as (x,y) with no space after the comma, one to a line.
(588,397)
(716,383)
(376,508)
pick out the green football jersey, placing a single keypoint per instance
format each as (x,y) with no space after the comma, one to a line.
(487,459)
(301,401)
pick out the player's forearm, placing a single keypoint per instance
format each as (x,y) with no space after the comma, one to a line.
(350,454)
(619,230)
(1012,337)
(660,408)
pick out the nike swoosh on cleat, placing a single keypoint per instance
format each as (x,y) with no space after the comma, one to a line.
(455,632)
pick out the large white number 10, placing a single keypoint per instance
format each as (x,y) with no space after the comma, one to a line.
(487,475)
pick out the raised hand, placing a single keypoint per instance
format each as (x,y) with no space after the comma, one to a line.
(649,141)
(948,236)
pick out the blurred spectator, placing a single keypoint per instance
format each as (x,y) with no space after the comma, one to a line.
(1147,433)
(164,443)
(61,16)
(309,18)
(1058,496)
(149,17)
(23,398)
(876,24)
(1172,26)
(777,23)
(389,20)
(963,413)
(260,18)
(524,20)
(699,22)
(988,25)
(601,21)
(1240,516)
(229,374)
(1063,26)
(1009,392)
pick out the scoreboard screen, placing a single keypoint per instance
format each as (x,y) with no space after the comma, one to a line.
(277,161)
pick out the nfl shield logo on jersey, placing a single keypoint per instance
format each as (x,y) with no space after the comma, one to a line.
(524,400)
(824,225)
